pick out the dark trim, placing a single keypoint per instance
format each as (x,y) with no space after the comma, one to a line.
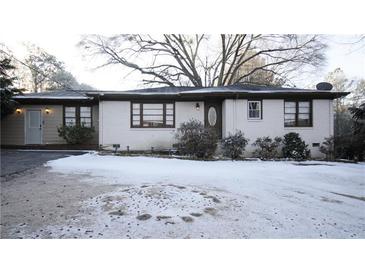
(78,120)
(39,101)
(141,102)
(261,109)
(224,95)
(297,113)
(54,146)
(94,98)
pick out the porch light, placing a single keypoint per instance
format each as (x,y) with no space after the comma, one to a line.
(197,106)
(18,110)
(47,110)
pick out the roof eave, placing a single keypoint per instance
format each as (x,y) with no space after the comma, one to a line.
(184,96)
(227,95)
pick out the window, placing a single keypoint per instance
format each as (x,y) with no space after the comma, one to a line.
(76,115)
(254,110)
(85,116)
(298,114)
(212,116)
(152,115)
(70,116)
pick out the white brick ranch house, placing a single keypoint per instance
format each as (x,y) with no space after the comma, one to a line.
(145,118)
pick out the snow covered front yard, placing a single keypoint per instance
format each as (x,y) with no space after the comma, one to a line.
(95,196)
(172,198)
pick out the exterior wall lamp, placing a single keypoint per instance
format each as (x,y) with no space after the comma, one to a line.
(197,106)
(47,110)
(18,110)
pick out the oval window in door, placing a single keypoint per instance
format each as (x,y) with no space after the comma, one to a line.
(212,116)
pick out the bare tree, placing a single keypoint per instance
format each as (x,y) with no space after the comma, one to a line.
(42,66)
(263,77)
(357,96)
(204,60)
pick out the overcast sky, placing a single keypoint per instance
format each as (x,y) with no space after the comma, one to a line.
(341,53)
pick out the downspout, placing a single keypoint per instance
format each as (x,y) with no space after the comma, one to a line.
(234,116)
(101,132)
(235,113)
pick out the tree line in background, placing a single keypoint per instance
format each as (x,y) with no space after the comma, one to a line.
(7,88)
(41,71)
(348,141)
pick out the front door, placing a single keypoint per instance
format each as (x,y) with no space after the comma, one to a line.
(33,127)
(213,116)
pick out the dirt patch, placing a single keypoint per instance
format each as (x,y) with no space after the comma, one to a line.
(144,217)
(169,223)
(159,218)
(196,214)
(350,196)
(311,164)
(117,213)
(210,210)
(325,199)
(177,186)
(187,219)
(214,199)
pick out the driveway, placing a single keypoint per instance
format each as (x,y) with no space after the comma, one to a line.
(16,161)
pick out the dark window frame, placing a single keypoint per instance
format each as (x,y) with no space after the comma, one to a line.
(141,103)
(261,109)
(78,116)
(297,101)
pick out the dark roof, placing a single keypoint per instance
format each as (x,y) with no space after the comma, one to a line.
(177,90)
(55,94)
(233,91)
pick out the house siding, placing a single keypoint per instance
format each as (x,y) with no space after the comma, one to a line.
(115,127)
(51,122)
(13,127)
(272,122)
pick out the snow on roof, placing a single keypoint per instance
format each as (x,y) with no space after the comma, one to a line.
(56,94)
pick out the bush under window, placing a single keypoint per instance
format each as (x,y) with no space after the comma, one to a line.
(195,140)
(77,134)
(234,145)
(267,148)
(294,147)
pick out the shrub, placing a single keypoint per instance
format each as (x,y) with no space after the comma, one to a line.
(267,148)
(195,140)
(294,147)
(234,145)
(328,148)
(78,134)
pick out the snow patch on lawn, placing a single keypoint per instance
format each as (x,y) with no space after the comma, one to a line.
(233,175)
(253,199)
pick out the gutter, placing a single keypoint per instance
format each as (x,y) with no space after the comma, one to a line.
(223,95)
(53,97)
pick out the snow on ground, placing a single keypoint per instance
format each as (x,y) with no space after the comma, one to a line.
(173,198)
